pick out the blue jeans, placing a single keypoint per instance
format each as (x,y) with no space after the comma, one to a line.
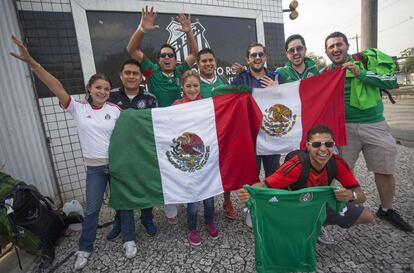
(270,163)
(128,228)
(127,224)
(97,178)
(192,213)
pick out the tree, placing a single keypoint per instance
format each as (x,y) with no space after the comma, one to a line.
(407,63)
(319,60)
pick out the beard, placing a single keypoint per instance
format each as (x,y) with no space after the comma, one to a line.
(257,69)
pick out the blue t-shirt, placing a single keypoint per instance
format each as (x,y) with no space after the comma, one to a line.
(246,78)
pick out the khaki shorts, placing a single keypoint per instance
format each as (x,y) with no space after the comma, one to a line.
(376,143)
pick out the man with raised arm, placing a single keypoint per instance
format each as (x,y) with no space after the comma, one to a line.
(164,77)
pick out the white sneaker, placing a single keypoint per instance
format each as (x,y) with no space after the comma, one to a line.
(130,249)
(249,220)
(81,259)
(325,237)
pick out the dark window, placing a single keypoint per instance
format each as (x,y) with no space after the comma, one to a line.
(50,38)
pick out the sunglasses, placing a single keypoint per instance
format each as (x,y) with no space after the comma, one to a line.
(169,55)
(298,49)
(317,144)
(257,54)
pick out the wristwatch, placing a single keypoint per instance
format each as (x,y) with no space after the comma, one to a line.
(354,196)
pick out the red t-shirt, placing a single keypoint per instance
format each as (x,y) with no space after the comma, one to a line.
(290,171)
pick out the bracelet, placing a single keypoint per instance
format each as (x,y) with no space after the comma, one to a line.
(142,29)
(36,67)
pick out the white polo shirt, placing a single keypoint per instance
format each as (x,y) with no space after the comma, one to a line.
(95,125)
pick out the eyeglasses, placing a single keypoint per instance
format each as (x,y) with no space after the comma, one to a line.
(254,55)
(317,144)
(169,55)
(297,49)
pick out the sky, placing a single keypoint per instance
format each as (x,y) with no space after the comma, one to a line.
(319,18)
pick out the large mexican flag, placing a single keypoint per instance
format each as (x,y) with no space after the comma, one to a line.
(291,109)
(183,153)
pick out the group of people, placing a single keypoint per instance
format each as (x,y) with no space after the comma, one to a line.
(366,128)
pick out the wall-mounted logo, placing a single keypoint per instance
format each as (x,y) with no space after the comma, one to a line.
(188,152)
(178,39)
(278,120)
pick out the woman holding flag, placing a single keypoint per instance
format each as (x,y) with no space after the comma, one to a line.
(191,89)
(95,120)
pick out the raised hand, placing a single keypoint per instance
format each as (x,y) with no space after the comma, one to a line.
(267,81)
(185,22)
(23,52)
(237,68)
(148,19)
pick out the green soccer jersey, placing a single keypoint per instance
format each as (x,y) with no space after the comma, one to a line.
(288,74)
(286,226)
(205,88)
(166,89)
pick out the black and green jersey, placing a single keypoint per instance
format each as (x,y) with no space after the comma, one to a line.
(288,74)
(286,225)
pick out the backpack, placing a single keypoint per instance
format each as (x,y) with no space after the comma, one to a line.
(304,175)
(28,220)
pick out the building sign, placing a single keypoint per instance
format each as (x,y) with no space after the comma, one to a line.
(110,33)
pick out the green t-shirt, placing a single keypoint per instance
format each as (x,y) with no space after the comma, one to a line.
(286,226)
(166,89)
(205,88)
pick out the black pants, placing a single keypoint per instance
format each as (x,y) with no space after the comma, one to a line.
(270,163)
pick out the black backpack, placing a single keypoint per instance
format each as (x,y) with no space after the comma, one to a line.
(28,220)
(304,175)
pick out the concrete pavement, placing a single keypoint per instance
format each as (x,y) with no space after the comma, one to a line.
(374,248)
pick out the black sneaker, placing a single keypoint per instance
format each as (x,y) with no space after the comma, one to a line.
(114,233)
(150,228)
(394,218)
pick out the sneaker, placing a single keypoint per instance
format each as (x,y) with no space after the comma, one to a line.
(249,220)
(229,210)
(325,237)
(392,217)
(212,231)
(130,249)
(172,220)
(81,259)
(150,228)
(113,234)
(193,237)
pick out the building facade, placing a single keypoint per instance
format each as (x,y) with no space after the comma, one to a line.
(73,39)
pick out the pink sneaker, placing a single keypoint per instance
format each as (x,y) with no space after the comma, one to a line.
(193,237)
(212,231)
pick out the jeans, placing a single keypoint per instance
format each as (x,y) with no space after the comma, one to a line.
(96,180)
(127,225)
(270,163)
(124,222)
(192,213)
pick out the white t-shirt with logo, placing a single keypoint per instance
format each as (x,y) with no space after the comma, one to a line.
(95,126)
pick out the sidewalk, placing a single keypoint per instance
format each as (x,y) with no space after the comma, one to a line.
(361,249)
